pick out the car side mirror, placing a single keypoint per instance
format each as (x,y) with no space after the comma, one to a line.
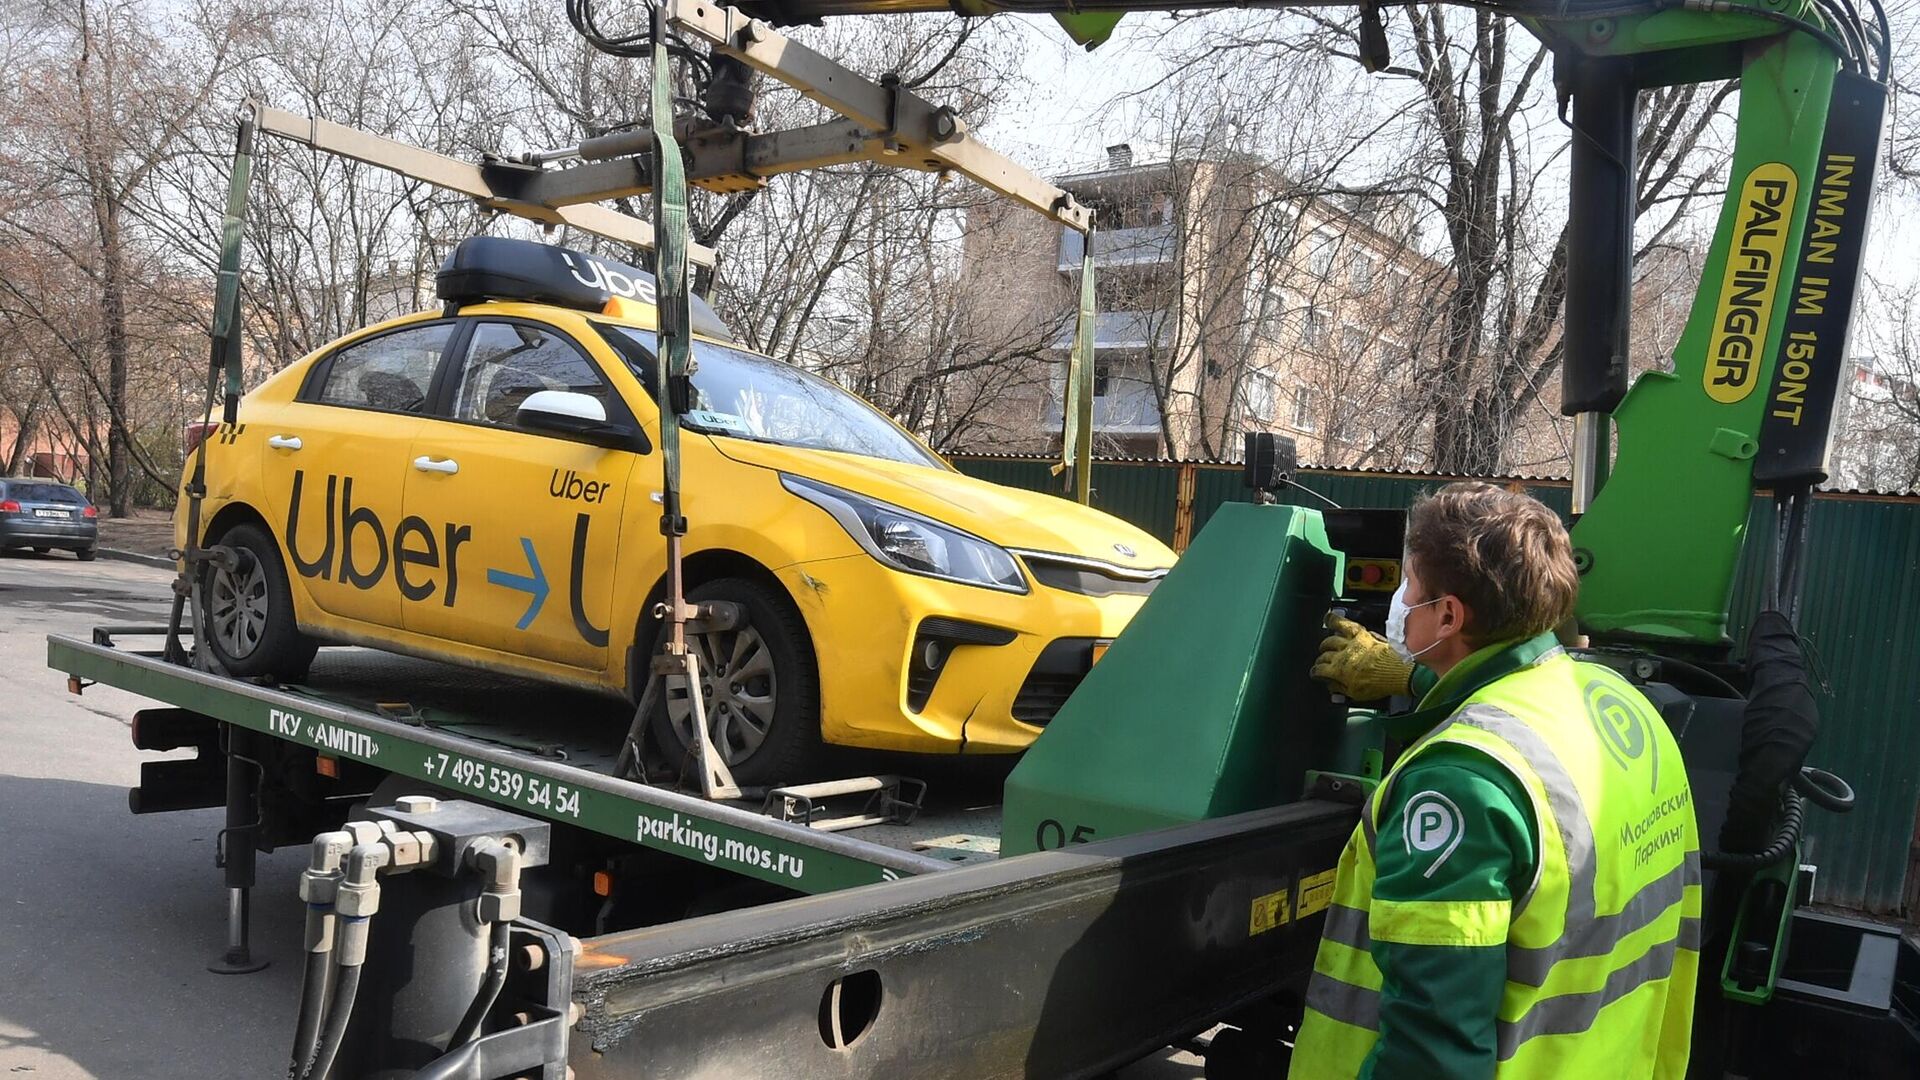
(580,417)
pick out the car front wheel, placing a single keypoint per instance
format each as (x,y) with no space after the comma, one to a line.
(246,611)
(760,685)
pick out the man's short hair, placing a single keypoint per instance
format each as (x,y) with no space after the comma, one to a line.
(1503,553)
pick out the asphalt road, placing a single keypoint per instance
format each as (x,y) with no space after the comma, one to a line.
(107,920)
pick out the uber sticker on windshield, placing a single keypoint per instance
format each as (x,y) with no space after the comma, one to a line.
(724,421)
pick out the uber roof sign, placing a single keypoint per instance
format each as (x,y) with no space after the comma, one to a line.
(497,268)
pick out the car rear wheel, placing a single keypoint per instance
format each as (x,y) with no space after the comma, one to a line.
(761,688)
(41,550)
(246,612)
(87,554)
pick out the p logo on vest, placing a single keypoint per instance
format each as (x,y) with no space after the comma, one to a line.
(1432,824)
(1621,725)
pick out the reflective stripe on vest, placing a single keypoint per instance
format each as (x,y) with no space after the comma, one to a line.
(1556,726)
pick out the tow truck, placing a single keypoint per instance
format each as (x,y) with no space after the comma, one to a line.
(498,887)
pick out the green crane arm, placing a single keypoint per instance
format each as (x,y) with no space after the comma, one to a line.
(1748,401)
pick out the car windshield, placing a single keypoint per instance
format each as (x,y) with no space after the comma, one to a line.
(44,493)
(744,396)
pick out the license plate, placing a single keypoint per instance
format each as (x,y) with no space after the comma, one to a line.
(51,513)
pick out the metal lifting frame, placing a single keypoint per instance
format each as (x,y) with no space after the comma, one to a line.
(881,121)
(452,174)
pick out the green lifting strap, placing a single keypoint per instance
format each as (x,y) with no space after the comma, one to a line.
(1076,438)
(226,302)
(670,281)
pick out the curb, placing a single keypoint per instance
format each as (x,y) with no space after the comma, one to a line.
(135,557)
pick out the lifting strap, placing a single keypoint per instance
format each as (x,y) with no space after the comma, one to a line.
(1076,437)
(672,304)
(673,373)
(223,357)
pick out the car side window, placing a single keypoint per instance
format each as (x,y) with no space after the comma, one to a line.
(392,372)
(510,362)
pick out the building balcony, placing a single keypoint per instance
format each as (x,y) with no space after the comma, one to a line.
(1149,245)
(1128,408)
(1122,330)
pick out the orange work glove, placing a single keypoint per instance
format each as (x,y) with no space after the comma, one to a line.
(1359,663)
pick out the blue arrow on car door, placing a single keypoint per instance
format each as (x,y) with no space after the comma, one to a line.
(534,584)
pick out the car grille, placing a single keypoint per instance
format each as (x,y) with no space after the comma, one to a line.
(1055,675)
(1090,577)
(1042,695)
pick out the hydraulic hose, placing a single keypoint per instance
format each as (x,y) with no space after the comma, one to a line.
(1702,675)
(319,887)
(1785,840)
(499,863)
(497,947)
(449,1065)
(313,989)
(357,900)
(335,1030)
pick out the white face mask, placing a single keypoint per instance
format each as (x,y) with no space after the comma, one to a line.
(1397,611)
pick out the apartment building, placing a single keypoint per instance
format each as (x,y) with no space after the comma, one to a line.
(1228,300)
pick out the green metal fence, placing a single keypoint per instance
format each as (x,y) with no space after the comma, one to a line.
(1861,619)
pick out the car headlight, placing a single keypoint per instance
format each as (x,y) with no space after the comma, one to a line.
(907,541)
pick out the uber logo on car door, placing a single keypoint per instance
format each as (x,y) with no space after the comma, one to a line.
(425,560)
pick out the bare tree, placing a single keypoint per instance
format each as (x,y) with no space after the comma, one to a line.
(105,102)
(1877,442)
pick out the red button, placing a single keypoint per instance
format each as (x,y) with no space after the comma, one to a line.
(1370,575)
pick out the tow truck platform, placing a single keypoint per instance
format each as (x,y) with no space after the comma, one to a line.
(535,748)
(908,949)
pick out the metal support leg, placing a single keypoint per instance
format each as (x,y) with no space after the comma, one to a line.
(236,850)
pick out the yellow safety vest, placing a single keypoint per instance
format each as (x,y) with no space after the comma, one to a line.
(1603,948)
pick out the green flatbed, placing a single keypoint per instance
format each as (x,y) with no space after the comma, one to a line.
(540,750)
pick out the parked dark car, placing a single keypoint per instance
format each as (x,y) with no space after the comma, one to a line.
(43,515)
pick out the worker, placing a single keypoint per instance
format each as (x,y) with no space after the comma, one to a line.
(1521,897)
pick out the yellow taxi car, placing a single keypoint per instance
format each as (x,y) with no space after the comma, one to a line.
(478,485)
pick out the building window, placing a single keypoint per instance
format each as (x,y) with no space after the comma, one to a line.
(1342,428)
(1259,397)
(1320,258)
(1273,315)
(1102,378)
(1304,407)
(1398,282)
(1353,342)
(1360,271)
(1316,330)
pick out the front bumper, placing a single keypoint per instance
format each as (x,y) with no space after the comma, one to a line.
(874,691)
(23,531)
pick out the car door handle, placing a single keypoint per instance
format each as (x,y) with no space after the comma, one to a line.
(427,464)
(284,442)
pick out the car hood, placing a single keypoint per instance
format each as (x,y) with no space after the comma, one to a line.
(1006,516)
